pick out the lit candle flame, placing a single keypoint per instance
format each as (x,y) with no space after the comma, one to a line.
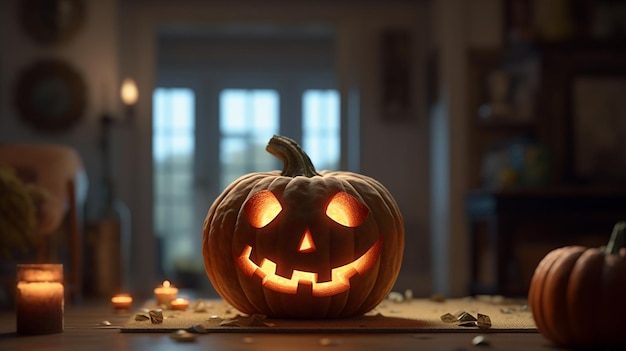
(166,283)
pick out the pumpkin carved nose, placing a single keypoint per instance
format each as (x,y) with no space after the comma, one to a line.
(306,243)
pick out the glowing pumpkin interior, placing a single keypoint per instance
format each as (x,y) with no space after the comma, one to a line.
(346,210)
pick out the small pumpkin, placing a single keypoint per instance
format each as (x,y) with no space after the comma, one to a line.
(301,243)
(577,294)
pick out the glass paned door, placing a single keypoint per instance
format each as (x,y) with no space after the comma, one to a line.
(246,119)
(173,154)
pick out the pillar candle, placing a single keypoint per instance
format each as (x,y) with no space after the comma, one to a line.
(179,304)
(122,301)
(165,293)
(39,298)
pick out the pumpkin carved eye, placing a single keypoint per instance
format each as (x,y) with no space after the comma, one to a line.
(262,208)
(346,210)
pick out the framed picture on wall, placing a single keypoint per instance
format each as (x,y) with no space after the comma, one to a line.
(51,22)
(50,95)
(396,66)
(582,109)
(598,106)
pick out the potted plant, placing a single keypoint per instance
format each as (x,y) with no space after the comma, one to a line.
(18,225)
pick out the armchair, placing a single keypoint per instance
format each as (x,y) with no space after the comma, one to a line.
(59,170)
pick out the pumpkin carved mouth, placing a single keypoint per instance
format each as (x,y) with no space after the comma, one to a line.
(339,283)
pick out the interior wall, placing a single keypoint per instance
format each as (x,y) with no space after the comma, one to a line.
(92,52)
(393,152)
(459,25)
(117,40)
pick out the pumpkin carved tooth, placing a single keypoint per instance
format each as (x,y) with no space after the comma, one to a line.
(339,283)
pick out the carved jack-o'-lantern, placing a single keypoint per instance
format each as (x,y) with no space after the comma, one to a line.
(303,244)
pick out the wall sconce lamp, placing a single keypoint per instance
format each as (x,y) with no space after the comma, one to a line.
(129,95)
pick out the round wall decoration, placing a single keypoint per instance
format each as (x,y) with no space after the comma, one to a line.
(52,21)
(50,95)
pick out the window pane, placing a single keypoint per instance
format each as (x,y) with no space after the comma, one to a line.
(321,128)
(248,119)
(265,105)
(173,149)
(233,111)
(232,150)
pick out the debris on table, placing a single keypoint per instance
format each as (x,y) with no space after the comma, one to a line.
(201,305)
(183,336)
(248,340)
(398,297)
(465,319)
(255,320)
(156,316)
(198,329)
(483,321)
(437,298)
(329,342)
(408,295)
(141,317)
(514,309)
(480,340)
(395,296)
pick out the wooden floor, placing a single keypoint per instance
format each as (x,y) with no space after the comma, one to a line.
(83,331)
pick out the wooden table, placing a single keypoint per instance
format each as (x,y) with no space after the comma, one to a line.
(83,333)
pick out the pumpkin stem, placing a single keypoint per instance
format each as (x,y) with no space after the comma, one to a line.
(618,239)
(295,161)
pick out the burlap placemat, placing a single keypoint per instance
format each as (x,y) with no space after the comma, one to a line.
(415,315)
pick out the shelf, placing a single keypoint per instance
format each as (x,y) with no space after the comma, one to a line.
(505,125)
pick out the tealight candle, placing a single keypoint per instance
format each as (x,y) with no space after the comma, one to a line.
(122,301)
(165,293)
(39,298)
(179,303)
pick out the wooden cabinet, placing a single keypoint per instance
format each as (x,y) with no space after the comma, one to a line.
(563,67)
(513,224)
(561,113)
(489,130)
(510,231)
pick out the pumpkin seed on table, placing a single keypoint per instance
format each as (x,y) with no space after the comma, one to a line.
(247,340)
(465,319)
(183,336)
(480,340)
(483,321)
(408,295)
(198,329)
(141,317)
(395,296)
(329,342)
(156,316)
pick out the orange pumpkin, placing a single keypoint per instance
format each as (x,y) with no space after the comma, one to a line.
(303,244)
(577,294)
